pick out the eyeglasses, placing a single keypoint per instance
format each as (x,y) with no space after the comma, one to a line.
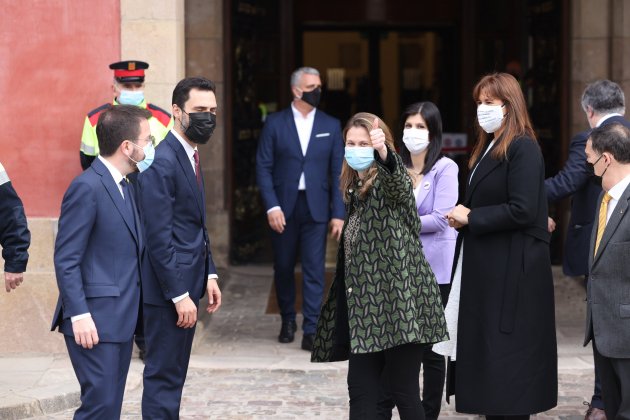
(149,139)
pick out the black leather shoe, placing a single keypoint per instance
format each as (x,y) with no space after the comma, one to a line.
(287,332)
(307,342)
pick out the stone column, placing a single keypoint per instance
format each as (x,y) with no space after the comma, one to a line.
(590,52)
(153,31)
(620,46)
(204,57)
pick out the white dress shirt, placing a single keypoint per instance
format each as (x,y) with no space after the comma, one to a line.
(304,126)
(616,192)
(117,178)
(190,152)
(605,117)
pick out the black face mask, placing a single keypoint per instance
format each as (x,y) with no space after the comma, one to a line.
(200,126)
(312,98)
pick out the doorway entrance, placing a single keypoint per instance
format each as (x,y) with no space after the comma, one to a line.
(382,70)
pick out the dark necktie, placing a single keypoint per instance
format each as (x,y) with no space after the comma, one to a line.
(128,201)
(197,169)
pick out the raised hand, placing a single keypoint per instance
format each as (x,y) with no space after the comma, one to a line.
(377,136)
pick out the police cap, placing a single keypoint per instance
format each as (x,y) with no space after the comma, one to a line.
(129,71)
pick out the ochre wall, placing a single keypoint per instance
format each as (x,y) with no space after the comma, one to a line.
(54,58)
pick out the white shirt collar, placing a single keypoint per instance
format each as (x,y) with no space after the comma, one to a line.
(190,151)
(297,114)
(617,190)
(112,170)
(605,117)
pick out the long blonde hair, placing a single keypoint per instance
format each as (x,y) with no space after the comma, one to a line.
(348,175)
(516,123)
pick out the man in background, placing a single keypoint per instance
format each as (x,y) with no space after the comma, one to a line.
(603,103)
(128,89)
(298,164)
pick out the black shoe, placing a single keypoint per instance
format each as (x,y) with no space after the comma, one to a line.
(307,342)
(287,332)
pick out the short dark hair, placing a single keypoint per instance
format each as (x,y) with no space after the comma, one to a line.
(604,97)
(431,116)
(612,138)
(181,93)
(119,123)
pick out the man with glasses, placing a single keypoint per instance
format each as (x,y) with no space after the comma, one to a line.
(98,253)
(603,103)
(128,89)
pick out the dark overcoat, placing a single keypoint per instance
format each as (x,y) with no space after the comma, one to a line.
(506,342)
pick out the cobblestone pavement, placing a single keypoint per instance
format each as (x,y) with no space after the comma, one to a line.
(240,371)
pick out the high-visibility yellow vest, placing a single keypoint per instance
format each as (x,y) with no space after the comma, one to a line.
(160,124)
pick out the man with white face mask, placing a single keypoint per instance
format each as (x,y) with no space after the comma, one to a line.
(128,89)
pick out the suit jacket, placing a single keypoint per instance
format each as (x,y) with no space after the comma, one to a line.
(15,237)
(576,179)
(98,255)
(438,196)
(608,290)
(280,162)
(174,217)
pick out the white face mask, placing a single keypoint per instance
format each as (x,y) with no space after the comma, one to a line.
(490,117)
(416,140)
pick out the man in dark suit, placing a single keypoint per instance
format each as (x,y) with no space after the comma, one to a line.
(179,269)
(98,255)
(608,291)
(298,164)
(15,237)
(603,103)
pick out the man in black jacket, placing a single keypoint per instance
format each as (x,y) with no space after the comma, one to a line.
(603,103)
(15,237)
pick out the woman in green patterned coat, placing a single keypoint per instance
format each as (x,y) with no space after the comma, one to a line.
(384,304)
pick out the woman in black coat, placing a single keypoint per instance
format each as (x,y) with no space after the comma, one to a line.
(506,356)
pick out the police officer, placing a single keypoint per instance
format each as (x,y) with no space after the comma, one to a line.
(15,237)
(128,88)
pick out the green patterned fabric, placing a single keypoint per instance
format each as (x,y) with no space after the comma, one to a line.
(391,294)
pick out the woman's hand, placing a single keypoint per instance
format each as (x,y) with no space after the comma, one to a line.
(377,136)
(458,217)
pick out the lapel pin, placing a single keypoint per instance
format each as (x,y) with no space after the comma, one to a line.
(426,185)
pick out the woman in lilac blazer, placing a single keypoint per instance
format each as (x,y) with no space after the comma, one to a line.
(436,188)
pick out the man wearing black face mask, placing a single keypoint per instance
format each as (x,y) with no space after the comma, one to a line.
(298,164)
(603,103)
(179,270)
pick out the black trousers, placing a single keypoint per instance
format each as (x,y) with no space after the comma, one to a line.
(433,377)
(615,378)
(399,369)
(523,417)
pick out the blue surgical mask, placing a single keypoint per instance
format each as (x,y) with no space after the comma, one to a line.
(131,97)
(359,158)
(149,155)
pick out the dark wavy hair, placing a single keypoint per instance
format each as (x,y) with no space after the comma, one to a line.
(431,115)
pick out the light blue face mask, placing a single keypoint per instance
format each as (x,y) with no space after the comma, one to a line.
(149,155)
(359,158)
(131,97)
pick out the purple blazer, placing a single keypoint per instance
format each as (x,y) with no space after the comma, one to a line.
(436,197)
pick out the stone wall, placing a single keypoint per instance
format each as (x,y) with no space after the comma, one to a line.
(204,57)
(600,49)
